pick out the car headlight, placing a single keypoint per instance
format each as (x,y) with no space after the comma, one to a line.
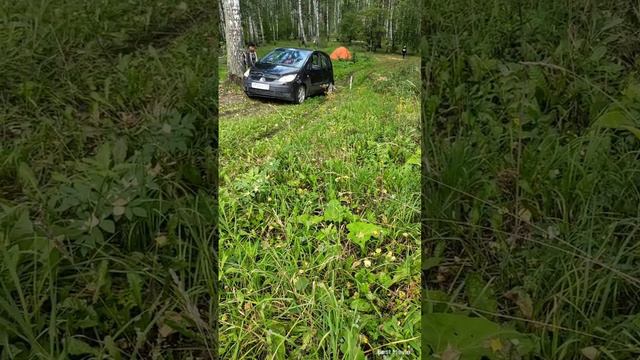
(287,78)
(246,73)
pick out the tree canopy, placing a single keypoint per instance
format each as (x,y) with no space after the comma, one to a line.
(383,25)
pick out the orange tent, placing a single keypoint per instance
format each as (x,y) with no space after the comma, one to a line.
(341,53)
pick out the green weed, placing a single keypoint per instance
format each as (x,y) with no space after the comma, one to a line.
(106,226)
(531,200)
(318,216)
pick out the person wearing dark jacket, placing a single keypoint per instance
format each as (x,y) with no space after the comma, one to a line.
(404,51)
(250,57)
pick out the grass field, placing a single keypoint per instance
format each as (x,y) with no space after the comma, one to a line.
(319,218)
(531,182)
(107,172)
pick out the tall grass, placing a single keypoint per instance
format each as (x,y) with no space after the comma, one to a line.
(299,184)
(107,169)
(524,187)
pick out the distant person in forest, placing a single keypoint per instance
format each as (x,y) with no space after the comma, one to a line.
(250,57)
(404,51)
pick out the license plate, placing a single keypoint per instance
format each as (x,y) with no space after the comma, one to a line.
(260,86)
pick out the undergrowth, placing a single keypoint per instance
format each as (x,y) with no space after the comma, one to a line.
(319,221)
(107,179)
(530,179)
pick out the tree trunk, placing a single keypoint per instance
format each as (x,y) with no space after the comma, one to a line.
(386,24)
(317,16)
(252,36)
(326,20)
(273,25)
(391,25)
(262,39)
(335,16)
(301,24)
(309,18)
(233,35)
(221,19)
(339,17)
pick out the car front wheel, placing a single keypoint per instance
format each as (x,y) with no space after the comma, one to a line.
(301,94)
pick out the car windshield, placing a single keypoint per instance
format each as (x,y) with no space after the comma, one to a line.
(288,57)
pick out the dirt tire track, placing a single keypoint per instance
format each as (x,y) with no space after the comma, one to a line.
(239,111)
(272,132)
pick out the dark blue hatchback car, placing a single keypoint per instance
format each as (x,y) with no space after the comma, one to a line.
(291,74)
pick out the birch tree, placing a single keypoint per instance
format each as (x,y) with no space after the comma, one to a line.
(326,19)
(262,39)
(317,16)
(300,23)
(382,24)
(310,19)
(234,39)
(221,19)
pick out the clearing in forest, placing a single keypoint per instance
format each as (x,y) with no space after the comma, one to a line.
(319,212)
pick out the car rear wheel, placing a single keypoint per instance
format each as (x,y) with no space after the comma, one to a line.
(301,94)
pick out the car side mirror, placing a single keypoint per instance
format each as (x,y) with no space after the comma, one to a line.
(315,67)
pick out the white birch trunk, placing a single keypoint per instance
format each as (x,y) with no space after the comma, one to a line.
(251,33)
(233,36)
(386,22)
(335,16)
(317,16)
(309,18)
(221,19)
(391,25)
(261,27)
(300,23)
(273,25)
(326,19)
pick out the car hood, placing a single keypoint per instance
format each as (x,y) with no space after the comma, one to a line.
(279,70)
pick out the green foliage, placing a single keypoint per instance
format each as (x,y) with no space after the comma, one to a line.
(618,120)
(625,113)
(374,30)
(480,294)
(375,24)
(102,116)
(319,212)
(531,169)
(336,212)
(360,233)
(351,26)
(457,336)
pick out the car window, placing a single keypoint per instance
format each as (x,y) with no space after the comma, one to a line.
(326,63)
(288,57)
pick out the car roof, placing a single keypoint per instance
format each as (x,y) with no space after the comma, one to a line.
(297,48)
(292,48)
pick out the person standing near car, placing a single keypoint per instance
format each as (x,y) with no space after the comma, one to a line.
(404,51)
(250,57)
